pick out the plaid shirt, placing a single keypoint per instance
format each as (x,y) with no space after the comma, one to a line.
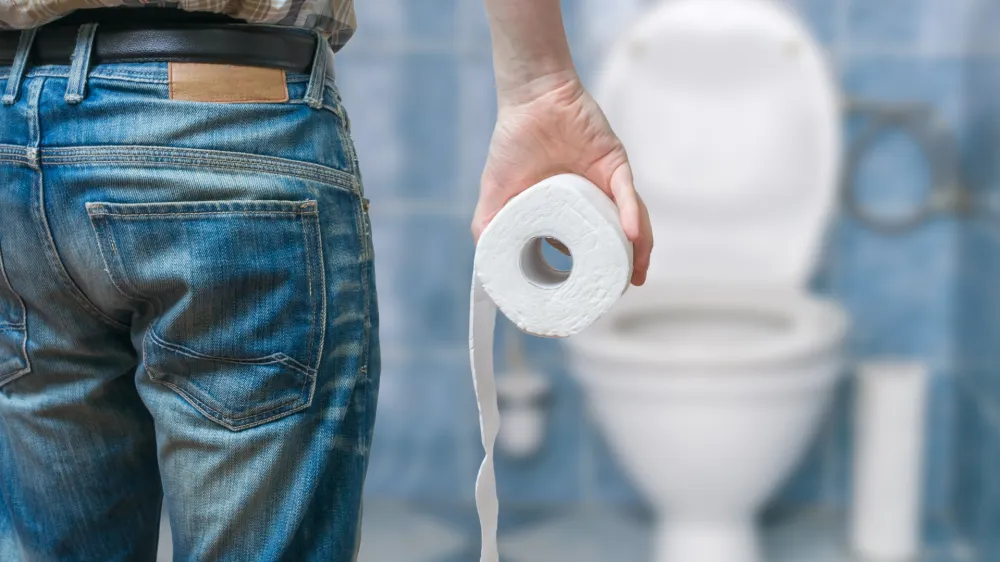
(334,18)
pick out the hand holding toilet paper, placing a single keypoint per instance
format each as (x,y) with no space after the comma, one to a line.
(511,274)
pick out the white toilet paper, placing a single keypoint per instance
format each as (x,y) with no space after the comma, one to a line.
(510,274)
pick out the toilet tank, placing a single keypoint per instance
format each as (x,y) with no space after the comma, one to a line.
(732,122)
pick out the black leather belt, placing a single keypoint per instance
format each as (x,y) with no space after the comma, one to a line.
(129,39)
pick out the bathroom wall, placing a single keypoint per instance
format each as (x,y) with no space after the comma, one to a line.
(417,83)
(899,287)
(977,408)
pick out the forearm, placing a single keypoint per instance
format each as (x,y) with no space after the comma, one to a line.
(530,51)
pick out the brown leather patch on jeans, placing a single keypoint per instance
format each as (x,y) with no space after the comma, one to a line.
(226,83)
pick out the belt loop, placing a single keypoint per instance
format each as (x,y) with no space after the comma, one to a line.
(80,63)
(317,77)
(24,44)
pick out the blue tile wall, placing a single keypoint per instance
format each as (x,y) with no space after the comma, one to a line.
(424,411)
(976,451)
(821,16)
(423,265)
(417,82)
(883,23)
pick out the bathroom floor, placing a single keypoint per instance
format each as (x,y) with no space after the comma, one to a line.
(395,533)
(398,533)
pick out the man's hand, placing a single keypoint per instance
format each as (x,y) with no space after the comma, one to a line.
(548,124)
(553,126)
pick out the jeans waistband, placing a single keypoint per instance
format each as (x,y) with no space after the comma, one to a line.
(78,71)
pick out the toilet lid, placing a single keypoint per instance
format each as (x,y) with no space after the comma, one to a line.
(731,120)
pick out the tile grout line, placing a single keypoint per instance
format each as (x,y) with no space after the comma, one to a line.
(872,50)
(840,32)
(466,448)
(990,412)
(399,207)
(587,473)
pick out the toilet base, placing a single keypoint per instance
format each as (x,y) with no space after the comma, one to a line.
(707,540)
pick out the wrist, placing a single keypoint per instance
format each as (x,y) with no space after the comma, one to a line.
(529,85)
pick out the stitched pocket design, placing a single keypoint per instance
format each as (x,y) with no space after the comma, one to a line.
(238,298)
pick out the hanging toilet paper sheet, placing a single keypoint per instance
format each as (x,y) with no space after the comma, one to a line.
(511,274)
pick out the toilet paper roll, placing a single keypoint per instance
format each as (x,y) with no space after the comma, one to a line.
(511,274)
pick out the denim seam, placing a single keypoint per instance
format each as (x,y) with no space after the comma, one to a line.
(122,284)
(39,214)
(163,163)
(168,153)
(321,267)
(365,264)
(219,417)
(222,214)
(13,151)
(63,71)
(314,228)
(55,260)
(17,327)
(267,360)
(120,78)
(348,143)
(129,153)
(223,207)
(107,264)
(6,379)
(222,160)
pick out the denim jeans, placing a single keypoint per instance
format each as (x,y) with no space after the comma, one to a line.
(187,316)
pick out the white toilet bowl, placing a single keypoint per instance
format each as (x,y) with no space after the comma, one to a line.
(710,381)
(708,398)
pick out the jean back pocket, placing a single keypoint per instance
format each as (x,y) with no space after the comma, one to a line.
(236,290)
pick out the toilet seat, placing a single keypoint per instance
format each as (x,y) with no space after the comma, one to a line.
(732,122)
(686,329)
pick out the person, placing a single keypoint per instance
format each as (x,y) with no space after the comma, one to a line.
(186,282)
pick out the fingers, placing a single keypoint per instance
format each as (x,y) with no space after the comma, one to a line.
(623,190)
(642,246)
(635,221)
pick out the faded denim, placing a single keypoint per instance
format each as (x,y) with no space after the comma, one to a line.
(187,315)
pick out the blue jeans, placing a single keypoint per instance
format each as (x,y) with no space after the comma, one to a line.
(187,315)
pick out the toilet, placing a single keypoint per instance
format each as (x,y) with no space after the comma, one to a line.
(710,381)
